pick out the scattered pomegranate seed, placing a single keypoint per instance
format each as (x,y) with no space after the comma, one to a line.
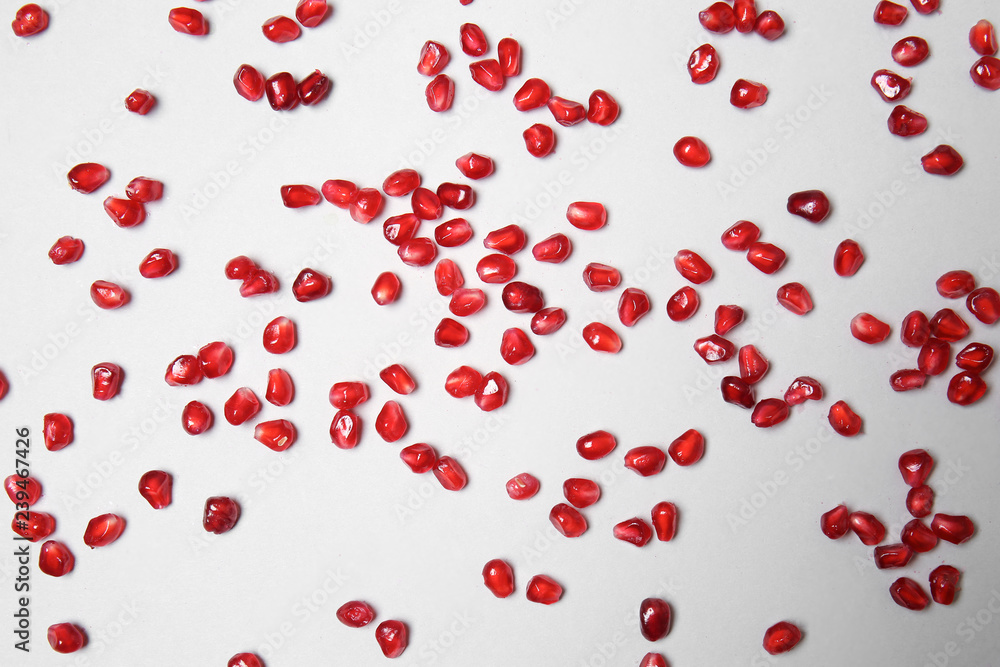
(426,204)
(196,418)
(892,556)
(683,304)
(216,359)
(55,559)
(813,205)
(918,536)
(156,487)
(634,531)
(769,412)
(944,160)
(925,6)
(766,257)
(249,82)
(920,501)
(915,330)
(419,458)
(450,474)
(533,94)
(835,523)
(934,357)
(915,466)
(910,51)
(547,321)
(158,263)
(355,614)
(279,335)
(601,277)
(769,25)
(106,379)
(434,57)
(456,196)
(399,229)
(440,93)
(447,277)
(392,638)
(280,29)
(221,514)
(889,13)
(727,318)
(259,282)
(66,250)
(450,333)
(540,140)
(602,338)
(310,13)
(868,529)
(509,55)
(948,326)
(703,64)
(345,429)
(245,659)
(567,520)
(391,424)
(142,189)
(688,448)
(66,637)
(944,580)
(983,39)
(103,530)
(596,445)
(492,392)
(714,349)
(718,17)
(955,284)
(348,395)
(398,379)
(543,590)
(585,215)
(282,91)
(467,301)
(340,193)
(632,306)
(890,86)
(975,358)
(314,88)
(184,370)
(488,74)
(907,593)
(844,420)
(508,240)
(515,347)
(241,407)
(463,382)
(581,492)
(653,660)
(954,529)
(795,298)
(298,196)
(386,288)
(523,486)
(498,577)
(746,14)
(848,258)
(692,267)
(907,380)
(753,365)
(88,177)
(310,285)
(240,268)
(646,460)
(125,212)
(692,151)
(25,490)
(664,519)
(108,295)
(453,233)
(277,434)
(747,94)
(781,637)
(602,108)
(496,269)
(280,389)
(57,431)
(654,618)
(188,21)
(566,112)
(30,20)
(140,102)
(737,391)
(906,122)
(473,40)
(869,329)
(33,526)
(520,297)
(984,303)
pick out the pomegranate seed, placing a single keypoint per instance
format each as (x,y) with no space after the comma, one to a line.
(954,529)
(688,448)
(188,21)
(314,88)
(392,638)
(463,382)
(473,40)
(140,101)
(906,122)
(426,204)
(703,64)
(398,379)
(925,6)
(125,212)
(646,460)
(892,556)
(440,93)
(747,94)
(539,139)
(391,423)
(632,306)
(714,349)
(450,333)
(249,82)
(910,51)
(585,215)
(447,277)
(246,659)
(184,370)
(581,492)
(547,321)
(433,58)
(241,407)
(596,445)
(348,395)
(906,380)
(30,20)
(984,303)
(66,637)
(727,318)
(948,326)
(519,297)
(57,431)
(36,526)
(566,112)
(103,530)
(156,487)
(692,267)
(533,94)
(498,577)
(366,205)
(158,263)
(279,335)
(492,392)
(496,269)
(355,614)
(458,197)
(488,74)
(737,391)
(889,13)
(869,329)
(25,490)
(813,205)
(908,594)
(601,277)
(741,236)
(746,14)
(66,250)
(523,486)
(955,284)
(567,520)
(278,434)
(718,17)
(868,529)
(916,329)
(781,637)
(280,29)
(216,359)
(664,518)
(934,357)
(692,151)
(634,531)
(654,616)
(419,458)
(975,358)
(88,177)
(602,338)
(340,193)
(399,229)
(795,298)
(509,55)
(844,420)
(386,288)
(944,580)
(915,466)
(890,86)
(55,559)
(450,474)
(769,25)
(311,13)
(453,233)
(766,257)
(345,429)
(683,304)
(282,91)
(944,160)
(508,240)
(310,285)
(142,189)
(920,501)
(848,258)
(769,412)
(918,537)
(221,514)
(983,39)
(835,523)
(240,268)
(753,365)
(543,590)
(4,385)
(106,380)
(401,182)
(653,660)
(467,301)
(108,295)
(602,108)
(515,347)
(196,418)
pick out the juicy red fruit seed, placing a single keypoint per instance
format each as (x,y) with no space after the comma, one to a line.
(508,240)
(140,102)
(585,215)
(766,257)
(892,556)
(440,93)
(869,329)
(391,422)
(348,395)
(515,347)
(984,304)
(311,13)
(813,205)
(944,581)
(703,64)
(601,277)
(844,420)
(954,529)
(419,457)
(543,590)
(753,365)
(602,108)
(925,6)
(910,51)
(890,86)
(467,301)
(314,88)
(221,514)
(727,317)
(547,321)
(399,229)
(692,151)
(450,474)
(498,577)
(216,359)
(835,523)
(682,304)
(646,460)
(280,29)
(66,637)
(488,74)
(596,445)
(142,189)
(948,326)
(602,338)
(386,288)
(392,637)
(692,267)
(915,330)
(737,391)
(241,407)
(245,660)
(456,196)
(975,358)
(746,14)
(566,112)
(567,520)
(889,13)
(688,448)
(983,38)
(156,486)
(492,392)
(920,501)
(124,212)
(106,380)
(282,91)
(158,263)
(33,526)
(398,379)
(277,435)
(355,614)
(452,233)
(30,20)
(240,268)
(934,357)
(868,529)
(520,297)
(66,250)
(496,269)
(653,660)
(188,21)
(57,431)
(908,594)
(905,122)
(108,295)
(795,297)
(539,139)
(634,531)
(714,349)
(718,17)
(103,530)
(196,418)
(781,637)
(509,55)
(943,160)
(25,490)
(632,306)
(473,40)
(426,204)
(448,277)
(848,258)
(915,466)
(769,25)
(401,182)
(955,284)
(298,196)
(463,382)
(184,370)
(533,94)
(310,285)
(249,82)
(918,536)
(654,619)
(747,94)
(907,380)
(664,520)
(339,192)
(769,412)
(279,335)
(450,333)
(581,492)
(523,486)
(345,429)
(434,57)
(55,559)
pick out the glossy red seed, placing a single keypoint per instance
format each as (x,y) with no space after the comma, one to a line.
(682,304)
(509,55)
(781,637)
(419,251)
(955,284)
(692,267)
(844,420)
(602,338)
(566,112)
(125,212)
(602,108)
(311,13)
(910,51)
(488,74)
(249,82)
(520,297)
(310,285)
(314,88)
(737,391)
(184,370)
(498,577)
(57,431)
(717,17)
(398,379)
(246,659)
(601,277)
(664,519)
(434,56)
(386,288)
(925,6)
(915,330)
(915,466)
(241,407)
(889,13)
(906,380)
(355,614)
(492,392)
(581,492)
(508,240)
(596,445)
(25,490)
(55,559)
(34,525)
(703,64)
(279,335)
(795,297)
(920,501)
(467,301)
(975,357)
(753,365)
(338,192)
(282,91)
(345,429)
(966,388)
(221,514)
(399,229)
(142,189)
(401,182)
(692,151)
(66,637)
(653,660)
(456,196)
(280,29)
(66,250)
(585,215)
(769,25)
(890,86)
(140,101)
(890,556)
(654,619)
(277,434)
(156,487)
(948,326)
(426,204)
(392,637)
(543,590)
(450,333)
(453,233)
(688,448)
(496,269)
(906,122)
(944,160)
(746,14)
(533,94)
(634,531)
(215,359)
(869,329)
(539,139)
(934,357)
(747,94)
(714,349)
(984,304)
(813,205)
(918,536)
(945,583)
(848,258)
(447,277)
(366,205)
(88,177)
(646,460)
(463,382)
(348,395)
(419,458)
(632,306)
(108,295)
(106,380)
(982,38)
(188,21)
(515,347)
(103,530)
(196,418)
(450,474)
(523,486)
(240,268)
(473,40)
(547,321)
(769,412)
(908,594)
(159,263)
(440,93)
(567,520)
(835,523)
(766,257)
(868,529)
(742,236)
(727,317)
(29,20)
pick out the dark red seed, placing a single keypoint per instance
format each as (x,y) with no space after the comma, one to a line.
(844,420)
(66,250)
(983,39)
(158,263)
(196,418)
(654,619)
(915,466)
(392,637)
(848,258)
(925,6)
(310,285)
(653,660)
(140,101)
(458,197)
(567,520)
(908,594)
(450,333)
(434,57)
(440,93)
(280,29)
(106,380)
(453,233)
(747,94)
(753,365)
(869,329)
(520,297)
(905,122)
(249,82)
(419,458)
(918,536)
(835,523)
(945,583)
(581,492)
(282,91)
(311,13)
(602,108)
(533,94)
(948,326)
(892,556)
(727,318)
(221,514)
(245,659)
(934,357)
(66,637)
(703,64)
(57,431)
(945,160)
(737,391)
(450,474)
(566,112)
(966,388)
(688,448)
(547,321)
(955,284)
(498,577)
(55,559)
(984,303)
(216,359)
(184,370)
(188,21)
(596,445)
(714,349)
(314,88)
(889,13)
(907,380)
(103,530)
(523,486)
(741,236)
(488,74)
(664,520)
(601,277)
(366,205)
(463,382)
(683,304)
(692,267)
(975,357)
(795,297)
(769,25)
(345,429)
(718,17)
(426,204)
(473,40)
(813,205)
(539,139)
(868,529)
(915,330)
(646,460)
(602,338)
(280,335)
(632,306)
(515,347)
(781,637)
(910,51)
(766,257)
(920,501)
(508,240)
(890,86)
(492,392)
(399,229)
(692,151)
(769,412)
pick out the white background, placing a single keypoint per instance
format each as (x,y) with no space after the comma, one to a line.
(321,526)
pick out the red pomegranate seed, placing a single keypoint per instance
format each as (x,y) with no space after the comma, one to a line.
(543,590)
(57,431)
(401,182)
(727,318)
(692,267)
(156,487)
(515,347)
(158,263)
(340,193)
(954,529)
(747,94)
(434,57)
(241,407)
(753,365)
(906,122)
(279,335)
(419,458)
(664,519)
(440,93)
(984,303)
(907,594)
(30,20)
(910,51)
(868,529)
(184,370)
(586,215)
(246,659)
(746,14)
(890,86)
(417,252)
(737,391)
(634,531)
(508,240)
(106,380)
(925,6)
(683,304)
(311,13)
(496,269)
(386,288)
(221,514)
(869,329)
(216,359)
(473,40)
(398,379)
(4,385)
(509,55)
(955,284)
(601,277)
(714,349)
(310,285)
(453,233)
(142,189)
(33,526)
(282,91)
(492,392)
(844,420)
(596,445)
(915,330)
(450,474)
(355,614)
(795,298)
(632,306)
(196,418)
(366,205)
(835,523)
(769,25)
(781,637)
(467,301)
(915,466)
(280,29)
(66,250)
(944,580)
(55,559)
(125,212)
(567,520)
(889,13)
(602,338)
(566,112)
(108,295)
(498,577)
(975,358)
(934,357)
(277,434)
(523,486)
(983,39)
(718,17)
(533,94)
(769,412)
(703,64)
(945,160)
(906,380)
(88,177)
(581,492)
(450,333)
(463,382)
(920,501)
(653,660)
(249,82)
(66,637)
(392,637)
(539,139)
(848,258)
(458,197)
(766,257)
(918,536)
(646,460)
(742,236)
(692,151)
(103,530)
(314,88)
(948,326)
(602,108)
(399,229)
(348,395)
(688,448)
(140,101)
(240,268)
(345,429)
(426,204)
(813,205)
(892,556)
(25,490)
(519,297)
(188,21)
(547,321)
(654,618)
(488,74)
(447,277)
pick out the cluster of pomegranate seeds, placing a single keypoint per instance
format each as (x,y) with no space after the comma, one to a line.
(282,91)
